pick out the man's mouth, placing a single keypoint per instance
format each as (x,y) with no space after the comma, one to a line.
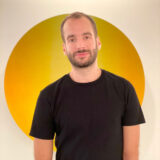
(82,53)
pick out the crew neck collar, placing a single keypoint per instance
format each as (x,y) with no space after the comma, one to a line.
(86,83)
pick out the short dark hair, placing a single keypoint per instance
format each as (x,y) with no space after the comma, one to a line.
(76,15)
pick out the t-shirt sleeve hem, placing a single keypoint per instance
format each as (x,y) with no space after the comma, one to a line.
(41,137)
(135,123)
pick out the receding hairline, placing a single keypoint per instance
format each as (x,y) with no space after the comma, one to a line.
(78,15)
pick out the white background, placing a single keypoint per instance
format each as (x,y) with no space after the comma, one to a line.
(139,20)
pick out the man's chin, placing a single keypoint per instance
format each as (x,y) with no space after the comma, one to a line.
(82,65)
(82,62)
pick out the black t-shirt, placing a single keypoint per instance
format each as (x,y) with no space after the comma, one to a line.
(88,118)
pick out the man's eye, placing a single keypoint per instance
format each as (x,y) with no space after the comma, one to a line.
(86,37)
(71,40)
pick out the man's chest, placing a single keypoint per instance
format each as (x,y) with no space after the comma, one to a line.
(81,110)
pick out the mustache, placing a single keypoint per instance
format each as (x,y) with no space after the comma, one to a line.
(81,51)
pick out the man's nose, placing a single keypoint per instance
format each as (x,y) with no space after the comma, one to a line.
(80,44)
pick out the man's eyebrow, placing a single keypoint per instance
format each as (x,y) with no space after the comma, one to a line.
(70,36)
(87,33)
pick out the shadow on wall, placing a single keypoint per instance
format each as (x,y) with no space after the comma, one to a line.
(148,129)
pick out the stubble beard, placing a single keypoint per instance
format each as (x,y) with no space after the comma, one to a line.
(79,63)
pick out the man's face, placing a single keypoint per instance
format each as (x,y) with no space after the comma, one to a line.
(80,45)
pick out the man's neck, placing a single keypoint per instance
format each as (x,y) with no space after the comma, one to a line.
(84,75)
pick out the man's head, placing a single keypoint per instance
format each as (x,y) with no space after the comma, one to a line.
(77,15)
(81,43)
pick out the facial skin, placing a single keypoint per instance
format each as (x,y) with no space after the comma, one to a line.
(81,46)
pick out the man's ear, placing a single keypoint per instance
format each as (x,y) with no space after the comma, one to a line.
(98,43)
(64,48)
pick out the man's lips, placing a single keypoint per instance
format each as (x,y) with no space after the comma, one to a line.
(81,54)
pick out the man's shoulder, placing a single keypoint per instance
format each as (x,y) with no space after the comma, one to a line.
(52,87)
(116,79)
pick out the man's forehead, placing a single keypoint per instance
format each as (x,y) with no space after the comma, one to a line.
(73,21)
(82,25)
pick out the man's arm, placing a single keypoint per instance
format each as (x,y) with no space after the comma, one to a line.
(43,149)
(131,142)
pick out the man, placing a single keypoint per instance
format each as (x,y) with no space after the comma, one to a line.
(94,113)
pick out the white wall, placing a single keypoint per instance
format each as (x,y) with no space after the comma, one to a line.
(137,19)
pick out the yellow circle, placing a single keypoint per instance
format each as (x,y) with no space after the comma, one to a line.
(37,60)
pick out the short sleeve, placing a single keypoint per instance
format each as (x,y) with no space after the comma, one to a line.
(43,124)
(133,114)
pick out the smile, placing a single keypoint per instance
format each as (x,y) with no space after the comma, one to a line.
(82,54)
